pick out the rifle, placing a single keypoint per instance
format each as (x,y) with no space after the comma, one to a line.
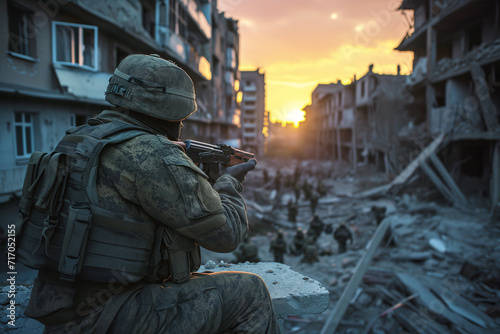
(211,156)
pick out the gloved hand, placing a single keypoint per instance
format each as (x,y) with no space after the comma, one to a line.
(240,171)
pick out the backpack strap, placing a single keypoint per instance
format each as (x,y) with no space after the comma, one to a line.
(31,180)
(95,138)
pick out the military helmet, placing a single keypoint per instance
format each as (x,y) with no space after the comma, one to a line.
(152,86)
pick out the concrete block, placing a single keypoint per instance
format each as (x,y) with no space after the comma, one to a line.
(291,292)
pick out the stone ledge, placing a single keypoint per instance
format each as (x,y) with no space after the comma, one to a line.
(292,293)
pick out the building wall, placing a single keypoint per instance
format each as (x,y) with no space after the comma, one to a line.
(462,99)
(253,110)
(59,96)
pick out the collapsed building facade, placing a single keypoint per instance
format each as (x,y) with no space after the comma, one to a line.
(456,46)
(356,123)
(452,97)
(57,57)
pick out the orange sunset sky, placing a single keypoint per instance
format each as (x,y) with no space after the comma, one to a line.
(299,44)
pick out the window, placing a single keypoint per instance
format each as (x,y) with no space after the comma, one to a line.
(148,19)
(23,123)
(74,44)
(22,31)
(178,19)
(231,57)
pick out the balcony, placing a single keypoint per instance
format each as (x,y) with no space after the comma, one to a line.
(485,53)
(184,52)
(199,17)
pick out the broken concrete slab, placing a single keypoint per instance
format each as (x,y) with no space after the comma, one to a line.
(407,172)
(292,293)
(430,293)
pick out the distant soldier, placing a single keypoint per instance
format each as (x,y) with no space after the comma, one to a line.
(307,190)
(311,251)
(277,180)
(313,202)
(321,188)
(298,242)
(293,210)
(315,227)
(341,235)
(265,174)
(296,173)
(296,189)
(278,248)
(248,251)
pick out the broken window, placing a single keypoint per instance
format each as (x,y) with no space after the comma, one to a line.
(148,18)
(473,36)
(178,19)
(231,57)
(23,123)
(22,31)
(74,44)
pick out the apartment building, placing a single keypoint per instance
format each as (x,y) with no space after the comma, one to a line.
(57,56)
(358,122)
(456,88)
(253,110)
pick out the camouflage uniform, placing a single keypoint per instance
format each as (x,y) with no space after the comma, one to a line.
(151,177)
(341,235)
(248,251)
(278,247)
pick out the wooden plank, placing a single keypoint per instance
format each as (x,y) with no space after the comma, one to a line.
(447,178)
(438,183)
(407,172)
(495,191)
(483,94)
(349,291)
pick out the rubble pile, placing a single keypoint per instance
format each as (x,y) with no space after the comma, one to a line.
(436,269)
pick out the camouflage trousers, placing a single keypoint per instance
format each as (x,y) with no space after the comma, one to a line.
(229,302)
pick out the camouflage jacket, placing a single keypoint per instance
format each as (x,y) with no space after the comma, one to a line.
(150,177)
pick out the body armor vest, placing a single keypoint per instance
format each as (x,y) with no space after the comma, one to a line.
(62,227)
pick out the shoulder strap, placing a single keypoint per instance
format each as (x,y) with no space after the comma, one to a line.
(93,140)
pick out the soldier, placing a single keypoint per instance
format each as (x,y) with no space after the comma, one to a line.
(341,235)
(296,189)
(265,175)
(310,251)
(277,180)
(248,251)
(137,209)
(293,210)
(321,188)
(314,201)
(278,248)
(297,245)
(307,190)
(315,227)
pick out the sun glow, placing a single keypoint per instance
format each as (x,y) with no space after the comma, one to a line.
(295,116)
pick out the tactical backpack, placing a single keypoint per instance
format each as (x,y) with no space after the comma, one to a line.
(62,228)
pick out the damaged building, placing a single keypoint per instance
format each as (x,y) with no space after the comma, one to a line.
(450,99)
(57,57)
(253,106)
(454,85)
(357,122)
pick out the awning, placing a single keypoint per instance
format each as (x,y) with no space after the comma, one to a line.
(82,83)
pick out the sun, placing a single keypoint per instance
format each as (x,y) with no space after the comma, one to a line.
(295,116)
